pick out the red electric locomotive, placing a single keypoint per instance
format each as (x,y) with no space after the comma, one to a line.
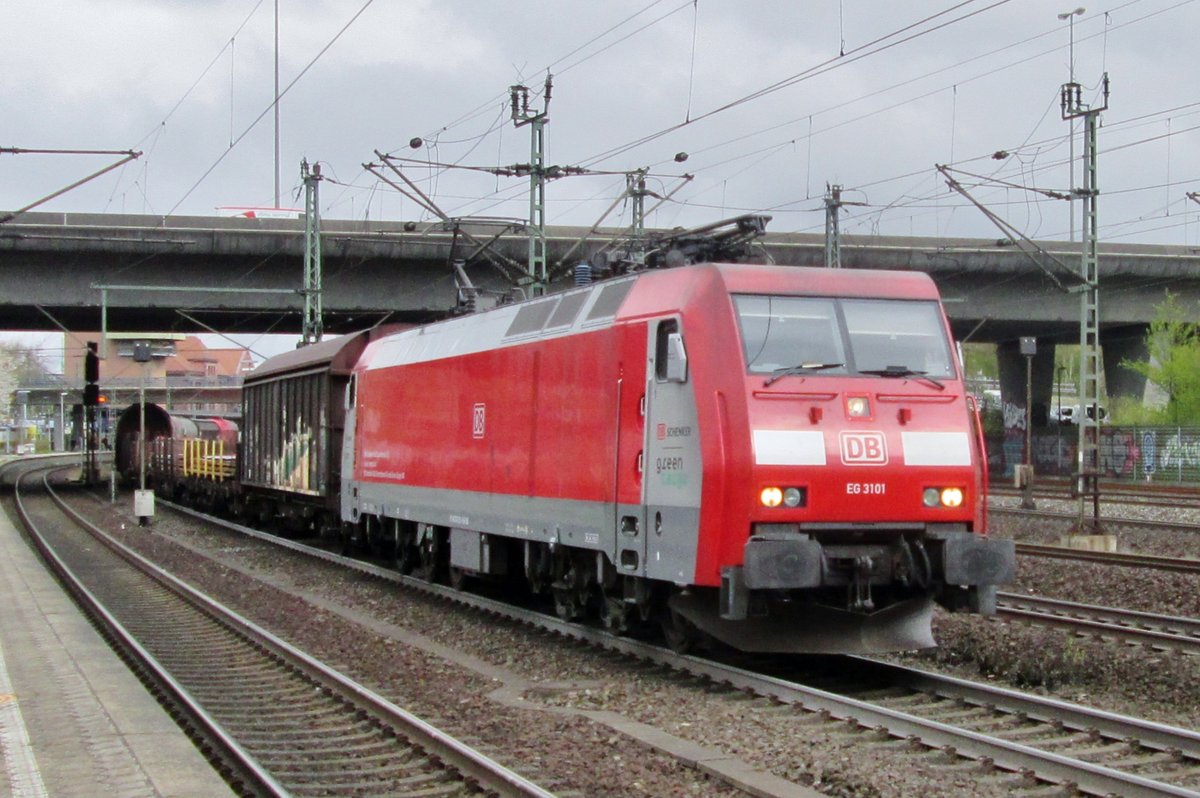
(781,458)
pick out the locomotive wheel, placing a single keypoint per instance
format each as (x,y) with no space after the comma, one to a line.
(681,635)
(432,549)
(565,606)
(408,557)
(614,613)
(426,562)
(459,578)
(537,572)
(572,587)
(405,555)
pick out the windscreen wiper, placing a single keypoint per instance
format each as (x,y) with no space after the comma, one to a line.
(799,368)
(903,371)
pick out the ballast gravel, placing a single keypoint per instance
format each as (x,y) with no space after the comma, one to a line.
(542,705)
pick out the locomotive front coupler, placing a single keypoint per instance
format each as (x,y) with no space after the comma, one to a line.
(860,585)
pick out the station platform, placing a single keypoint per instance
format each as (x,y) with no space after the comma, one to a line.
(74,721)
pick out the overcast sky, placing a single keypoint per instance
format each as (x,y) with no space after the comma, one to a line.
(771,101)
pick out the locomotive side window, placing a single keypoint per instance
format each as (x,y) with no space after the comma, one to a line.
(780,332)
(567,310)
(351,392)
(891,335)
(531,318)
(611,297)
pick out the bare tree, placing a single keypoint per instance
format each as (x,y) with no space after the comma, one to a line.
(18,364)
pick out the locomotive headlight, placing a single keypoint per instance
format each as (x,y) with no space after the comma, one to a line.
(942,497)
(782,497)
(952,497)
(858,407)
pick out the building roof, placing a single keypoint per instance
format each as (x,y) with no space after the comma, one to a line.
(193,357)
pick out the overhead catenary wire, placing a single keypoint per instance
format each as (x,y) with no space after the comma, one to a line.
(1110,128)
(855,54)
(271,106)
(559,66)
(705,171)
(203,73)
(907,101)
(1062,138)
(871,48)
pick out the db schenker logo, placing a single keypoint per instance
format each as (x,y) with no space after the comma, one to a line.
(863,448)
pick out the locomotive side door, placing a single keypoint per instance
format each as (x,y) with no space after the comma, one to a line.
(672,468)
(349,501)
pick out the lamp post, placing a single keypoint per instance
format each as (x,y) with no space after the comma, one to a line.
(62,421)
(1028,349)
(1061,370)
(143,500)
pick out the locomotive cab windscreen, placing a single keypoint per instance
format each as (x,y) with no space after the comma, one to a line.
(843,336)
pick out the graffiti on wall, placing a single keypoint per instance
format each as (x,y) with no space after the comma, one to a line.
(1180,450)
(1168,453)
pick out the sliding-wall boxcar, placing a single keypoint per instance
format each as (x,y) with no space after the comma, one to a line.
(292,420)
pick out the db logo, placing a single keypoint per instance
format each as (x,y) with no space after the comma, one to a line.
(864,448)
(479,420)
(662,432)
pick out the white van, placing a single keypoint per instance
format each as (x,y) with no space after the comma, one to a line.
(1067,415)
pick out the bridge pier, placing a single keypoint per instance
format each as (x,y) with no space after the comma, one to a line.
(1012,383)
(1119,345)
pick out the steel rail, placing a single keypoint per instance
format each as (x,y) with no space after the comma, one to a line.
(249,770)
(1047,766)
(1177,564)
(1158,736)
(38,460)
(1159,631)
(1113,520)
(471,764)
(1148,495)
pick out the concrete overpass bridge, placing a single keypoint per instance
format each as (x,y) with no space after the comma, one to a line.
(163,274)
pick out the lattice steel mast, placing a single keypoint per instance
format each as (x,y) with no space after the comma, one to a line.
(522,115)
(313,326)
(1087,478)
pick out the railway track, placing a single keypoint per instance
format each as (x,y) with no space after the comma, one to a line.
(1044,741)
(1136,628)
(1111,520)
(282,722)
(1140,495)
(1176,564)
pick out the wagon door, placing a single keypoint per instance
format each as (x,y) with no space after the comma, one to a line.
(672,465)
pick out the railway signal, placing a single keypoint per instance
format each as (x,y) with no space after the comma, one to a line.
(91,398)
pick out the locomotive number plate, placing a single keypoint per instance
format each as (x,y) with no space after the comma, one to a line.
(866,488)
